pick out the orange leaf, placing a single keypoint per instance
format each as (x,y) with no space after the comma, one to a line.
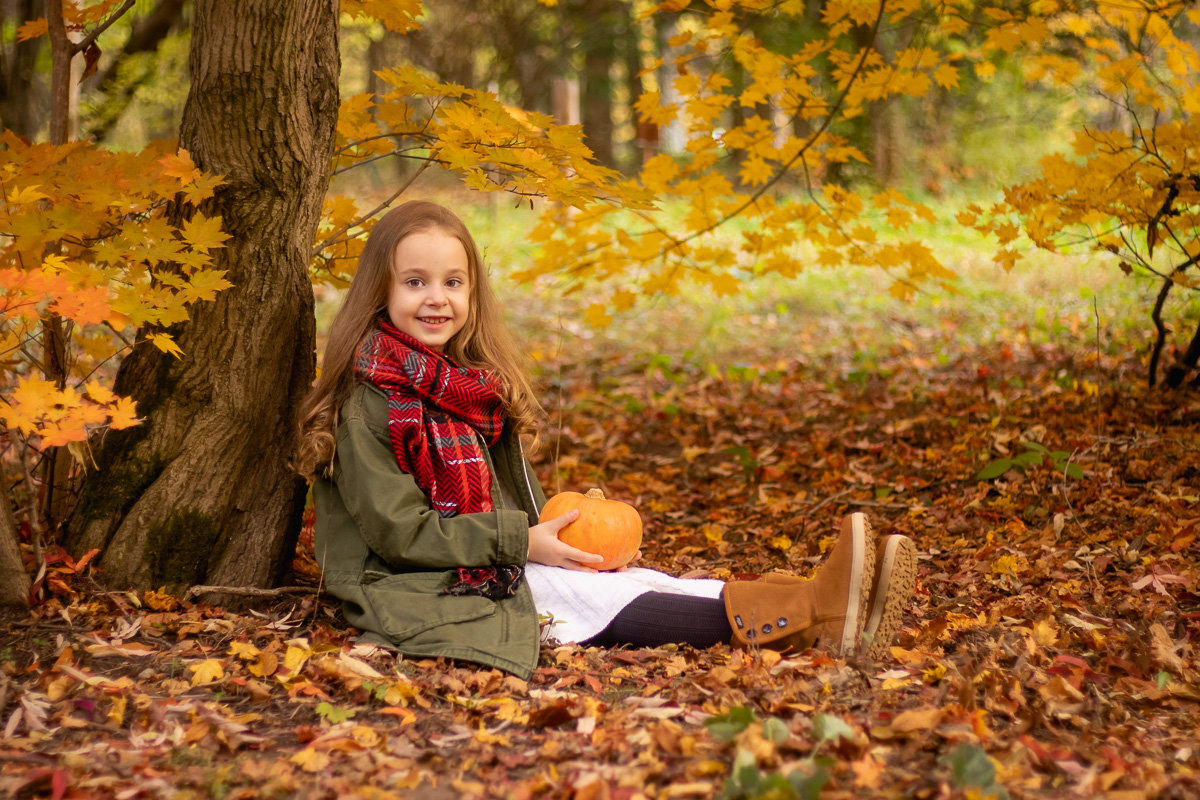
(33,29)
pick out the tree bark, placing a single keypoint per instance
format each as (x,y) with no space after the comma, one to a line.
(201,492)
(14,581)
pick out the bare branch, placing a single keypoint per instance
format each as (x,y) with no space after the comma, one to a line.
(247,591)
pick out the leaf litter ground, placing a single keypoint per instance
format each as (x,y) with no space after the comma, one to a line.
(1050,650)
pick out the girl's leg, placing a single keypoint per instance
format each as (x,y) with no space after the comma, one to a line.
(658,618)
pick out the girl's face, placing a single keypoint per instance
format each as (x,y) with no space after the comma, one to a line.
(430,297)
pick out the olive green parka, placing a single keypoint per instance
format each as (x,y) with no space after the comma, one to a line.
(388,555)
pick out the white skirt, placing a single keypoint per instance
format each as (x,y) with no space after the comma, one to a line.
(581,604)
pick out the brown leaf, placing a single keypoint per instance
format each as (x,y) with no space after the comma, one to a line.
(91,57)
(1162,648)
(918,719)
(551,715)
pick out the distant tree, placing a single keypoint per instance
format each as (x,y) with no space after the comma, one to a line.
(22,105)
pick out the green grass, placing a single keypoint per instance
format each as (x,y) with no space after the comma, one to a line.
(844,313)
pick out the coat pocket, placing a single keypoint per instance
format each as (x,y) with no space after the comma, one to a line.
(411,603)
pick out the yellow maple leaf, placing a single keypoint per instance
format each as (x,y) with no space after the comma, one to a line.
(210,670)
(99,393)
(596,315)
(295,658)
(946,76)
(868,772)
(26,194)
(204,284)
(311,760)
(1005,565)
(243,650)
(204,233)
(164,342)
(755,171)
(398,16)
(124,414)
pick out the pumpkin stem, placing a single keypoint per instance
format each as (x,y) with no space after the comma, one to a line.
(595,494)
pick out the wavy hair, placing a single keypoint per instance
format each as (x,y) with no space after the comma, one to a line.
(482,343)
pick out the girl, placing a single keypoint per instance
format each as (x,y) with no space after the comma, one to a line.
(427,510)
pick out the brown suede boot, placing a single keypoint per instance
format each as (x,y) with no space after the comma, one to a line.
(895,578)
(891,591)
(829,610)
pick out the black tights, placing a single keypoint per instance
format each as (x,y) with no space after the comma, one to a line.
(658,618)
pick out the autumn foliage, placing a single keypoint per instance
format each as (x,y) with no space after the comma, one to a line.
(88,258)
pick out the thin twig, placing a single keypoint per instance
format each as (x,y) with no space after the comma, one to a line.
(334,238)
(829,500)
(1067,499)
(878,504)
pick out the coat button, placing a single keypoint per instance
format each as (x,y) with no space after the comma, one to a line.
(737,620)
(750,634)
(767,628)
(781,622)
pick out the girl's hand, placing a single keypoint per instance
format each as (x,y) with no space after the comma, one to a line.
(546,548)
(632,562)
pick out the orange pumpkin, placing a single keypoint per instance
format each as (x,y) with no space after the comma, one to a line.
(607,528)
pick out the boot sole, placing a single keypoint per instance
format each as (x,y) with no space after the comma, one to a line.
(856,606)
(894,585)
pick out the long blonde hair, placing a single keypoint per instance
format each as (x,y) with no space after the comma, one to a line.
(482,343)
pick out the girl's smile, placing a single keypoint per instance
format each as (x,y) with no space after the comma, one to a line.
(430,296)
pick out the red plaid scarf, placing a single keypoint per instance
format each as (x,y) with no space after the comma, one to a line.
(437,411)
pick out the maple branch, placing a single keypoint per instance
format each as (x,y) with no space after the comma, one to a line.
(83,43)
(364,162)
(377,137)
(332,240)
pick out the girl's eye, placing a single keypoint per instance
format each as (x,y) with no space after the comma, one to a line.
(413,282)
(454,283)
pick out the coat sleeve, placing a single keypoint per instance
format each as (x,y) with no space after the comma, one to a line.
(397,522)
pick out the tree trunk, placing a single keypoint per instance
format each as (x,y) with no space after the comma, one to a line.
(22,96)
(601,41)
(201,491)
(14,581)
